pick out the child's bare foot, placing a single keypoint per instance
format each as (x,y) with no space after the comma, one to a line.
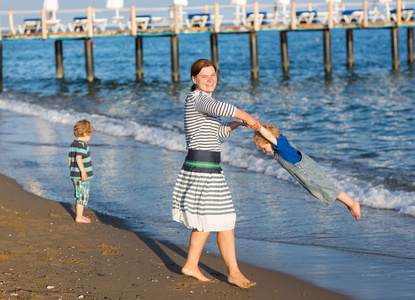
(195,274)
(240,281)
(82,220)
(355,210)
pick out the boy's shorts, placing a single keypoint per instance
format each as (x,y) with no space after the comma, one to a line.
(81,191)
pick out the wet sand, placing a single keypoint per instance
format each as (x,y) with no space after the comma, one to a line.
(44,254)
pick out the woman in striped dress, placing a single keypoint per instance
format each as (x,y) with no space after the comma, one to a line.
(201,197)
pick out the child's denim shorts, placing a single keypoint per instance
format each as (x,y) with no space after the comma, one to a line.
(312,177)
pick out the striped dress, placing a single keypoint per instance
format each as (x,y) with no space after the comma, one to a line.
(201,197)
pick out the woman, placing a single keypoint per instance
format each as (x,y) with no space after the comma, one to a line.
(201,197)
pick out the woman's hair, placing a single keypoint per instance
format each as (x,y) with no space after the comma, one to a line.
(197,66)
(259,139)
(83,127)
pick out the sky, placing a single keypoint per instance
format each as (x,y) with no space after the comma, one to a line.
(71,4)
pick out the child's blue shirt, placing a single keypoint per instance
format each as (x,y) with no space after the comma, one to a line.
(285,150)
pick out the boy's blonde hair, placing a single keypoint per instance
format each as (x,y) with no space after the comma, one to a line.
(83,127)
(259,139)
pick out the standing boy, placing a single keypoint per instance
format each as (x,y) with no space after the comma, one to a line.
(303,168)
(80,165)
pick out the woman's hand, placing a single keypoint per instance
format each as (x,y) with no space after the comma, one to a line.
(248,120)
(253,123)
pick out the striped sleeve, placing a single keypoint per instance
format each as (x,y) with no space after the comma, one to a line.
(206,104)
(222,131)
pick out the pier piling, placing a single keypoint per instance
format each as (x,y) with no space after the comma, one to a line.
(59,59)
(139,62)
(395,48)
(175,67)
(410,46)
(253,43)
(350,56)
(284,52)
(327,51)
(214,50)
(89,60)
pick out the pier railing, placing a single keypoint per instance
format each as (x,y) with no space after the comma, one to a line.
(333,14)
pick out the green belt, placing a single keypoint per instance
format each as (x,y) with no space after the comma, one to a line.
(202,164)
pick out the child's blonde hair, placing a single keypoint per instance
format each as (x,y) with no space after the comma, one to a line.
(259,139)
(83,127)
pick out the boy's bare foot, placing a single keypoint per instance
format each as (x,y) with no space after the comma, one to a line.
(355,210)
(82,220)
(195,274)
(240,281)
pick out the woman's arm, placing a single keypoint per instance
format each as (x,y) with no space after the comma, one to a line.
(268,135)
(249,120)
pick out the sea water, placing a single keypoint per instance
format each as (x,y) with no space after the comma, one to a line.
(357,124)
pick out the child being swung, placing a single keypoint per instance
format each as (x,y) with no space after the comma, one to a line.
(80,165)
(303,168)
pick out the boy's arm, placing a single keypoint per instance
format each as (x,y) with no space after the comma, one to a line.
(69,161)
(268,135)
(232,125)
(81,167)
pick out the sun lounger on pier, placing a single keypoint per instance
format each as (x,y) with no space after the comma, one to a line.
(100,24)
(250,18)
(271,19)
(35,25)
(118,21)
(54,25)
(197,20)
(81,24)
(31,25)
(373,15)
(305,17)
(157,21)
(143,21)
(350,16)
(406,14)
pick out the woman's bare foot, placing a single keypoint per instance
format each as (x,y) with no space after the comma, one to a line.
(355,210)
(240,281)
(82,220)
(195,274)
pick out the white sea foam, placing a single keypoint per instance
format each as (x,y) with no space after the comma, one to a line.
(366,193)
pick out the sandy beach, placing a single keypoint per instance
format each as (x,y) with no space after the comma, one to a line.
(46,255)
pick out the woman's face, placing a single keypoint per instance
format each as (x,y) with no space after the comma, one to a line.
(206,80)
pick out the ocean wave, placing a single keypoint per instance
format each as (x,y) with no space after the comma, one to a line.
(374,196)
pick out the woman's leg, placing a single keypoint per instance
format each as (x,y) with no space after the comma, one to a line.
(197,242)
(352,205)
(226,243)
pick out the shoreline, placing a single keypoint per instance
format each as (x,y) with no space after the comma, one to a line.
(46,254)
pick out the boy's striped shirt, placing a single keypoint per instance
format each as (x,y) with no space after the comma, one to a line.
(80,148)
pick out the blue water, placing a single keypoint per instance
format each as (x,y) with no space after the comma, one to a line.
(358,124)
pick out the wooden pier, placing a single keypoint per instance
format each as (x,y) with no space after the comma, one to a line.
(176,28)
